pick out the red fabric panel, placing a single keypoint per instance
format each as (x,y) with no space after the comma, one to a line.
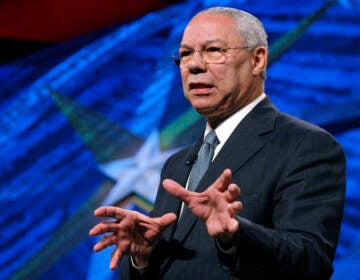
(57,20)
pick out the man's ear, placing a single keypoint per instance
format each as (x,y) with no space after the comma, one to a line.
(259,57)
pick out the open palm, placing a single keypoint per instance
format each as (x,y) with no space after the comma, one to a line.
(216,206)
(131,232)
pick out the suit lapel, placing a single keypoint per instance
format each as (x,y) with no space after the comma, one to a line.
(246,140)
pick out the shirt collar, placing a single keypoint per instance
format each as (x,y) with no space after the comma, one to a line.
(224,130)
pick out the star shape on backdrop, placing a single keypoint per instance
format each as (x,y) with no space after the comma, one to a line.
(138,174)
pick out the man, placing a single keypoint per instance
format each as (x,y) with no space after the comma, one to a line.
(270,203)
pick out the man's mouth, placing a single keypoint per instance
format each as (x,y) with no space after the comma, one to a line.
(200,86)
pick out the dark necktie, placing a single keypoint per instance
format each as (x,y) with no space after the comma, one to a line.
(204,159)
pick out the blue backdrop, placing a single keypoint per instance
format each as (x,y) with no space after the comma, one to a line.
(91,121)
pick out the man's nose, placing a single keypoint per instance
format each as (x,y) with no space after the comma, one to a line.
(196,61)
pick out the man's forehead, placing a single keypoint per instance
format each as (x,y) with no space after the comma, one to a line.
(211,17)
(209,28)
(206,19)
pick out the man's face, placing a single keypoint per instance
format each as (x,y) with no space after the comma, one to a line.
(218,90)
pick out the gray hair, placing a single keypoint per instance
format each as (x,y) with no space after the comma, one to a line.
(249,27)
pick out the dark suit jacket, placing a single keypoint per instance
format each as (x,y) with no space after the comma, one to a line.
(292,180)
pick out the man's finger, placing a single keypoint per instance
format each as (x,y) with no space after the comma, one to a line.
(223,180)
(233,192)
(96,230)
(234,225)
(167,219)
(105,242)
(235,207)
(176,190)
(103,227)
(115,258)
(110,212)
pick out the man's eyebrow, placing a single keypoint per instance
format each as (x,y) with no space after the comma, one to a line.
(207,42)
(185,46)
(214,41)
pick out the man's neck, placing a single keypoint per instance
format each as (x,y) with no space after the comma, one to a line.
(215,121)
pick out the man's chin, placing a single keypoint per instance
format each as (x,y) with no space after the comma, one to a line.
(204,111)
(208,113)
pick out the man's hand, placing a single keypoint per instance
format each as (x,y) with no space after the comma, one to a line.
(131,232)
(216,206)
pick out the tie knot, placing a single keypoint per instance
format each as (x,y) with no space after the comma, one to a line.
(211,138)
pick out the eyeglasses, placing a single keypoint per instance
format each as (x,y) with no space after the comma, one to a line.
(210,55)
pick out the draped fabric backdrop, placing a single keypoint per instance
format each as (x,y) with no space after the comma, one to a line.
(88,115)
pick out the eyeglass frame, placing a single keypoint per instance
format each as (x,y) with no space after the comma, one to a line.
(177,56)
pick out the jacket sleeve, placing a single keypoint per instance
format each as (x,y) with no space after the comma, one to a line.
(307,209)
